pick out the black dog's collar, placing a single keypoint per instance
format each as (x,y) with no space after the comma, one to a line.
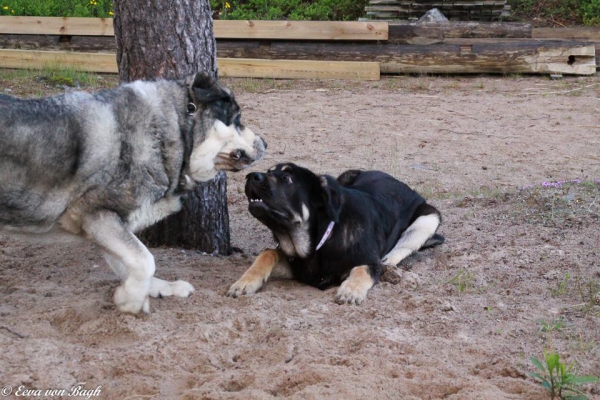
(326,235)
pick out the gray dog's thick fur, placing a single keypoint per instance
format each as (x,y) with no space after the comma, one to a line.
(102,166)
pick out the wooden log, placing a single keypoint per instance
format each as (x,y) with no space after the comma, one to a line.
(416,33)
(402,32)
(591,34)
(287,69)
(466,41)
(506,57)
(89,43)
(431,33)
(28,42)
(289,30)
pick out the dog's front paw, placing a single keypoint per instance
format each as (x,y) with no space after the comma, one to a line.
(161,288)
(352,292)
(245,285)
(132,297)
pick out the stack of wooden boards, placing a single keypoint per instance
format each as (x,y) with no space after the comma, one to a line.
(463,10)
(322,50)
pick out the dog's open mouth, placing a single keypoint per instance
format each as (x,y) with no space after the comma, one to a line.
(256,206)
(234,161)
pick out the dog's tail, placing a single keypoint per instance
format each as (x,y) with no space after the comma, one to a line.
(433,241)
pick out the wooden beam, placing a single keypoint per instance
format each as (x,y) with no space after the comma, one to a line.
(298,69)
(457,29)
(286,69)
(591,34)
(57,26)
(537,57)
(301,30)
(33,59)
(289,30)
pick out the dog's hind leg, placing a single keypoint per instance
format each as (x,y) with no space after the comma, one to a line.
(268,262)
(159,288)
(421,233)
(136,262)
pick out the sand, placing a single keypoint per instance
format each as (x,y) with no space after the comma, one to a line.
(519,273)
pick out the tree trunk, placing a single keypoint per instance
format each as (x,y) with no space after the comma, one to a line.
(173,39)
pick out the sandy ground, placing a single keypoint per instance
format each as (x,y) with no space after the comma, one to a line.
(519,273)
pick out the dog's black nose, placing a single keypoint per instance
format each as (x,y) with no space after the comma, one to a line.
(256,177)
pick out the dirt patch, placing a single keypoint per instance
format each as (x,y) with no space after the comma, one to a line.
(519,272)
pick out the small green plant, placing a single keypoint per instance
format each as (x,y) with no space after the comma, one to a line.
(553,325)
(589,290)
(463,281)
(560,379)
(561,287)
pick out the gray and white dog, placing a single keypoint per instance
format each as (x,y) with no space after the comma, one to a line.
(103,166)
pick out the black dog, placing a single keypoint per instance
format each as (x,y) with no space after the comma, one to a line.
(331,230)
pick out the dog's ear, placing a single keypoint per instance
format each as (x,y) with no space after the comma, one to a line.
(331,197)
(205,89)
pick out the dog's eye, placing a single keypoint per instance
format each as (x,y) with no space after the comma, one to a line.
(288,178)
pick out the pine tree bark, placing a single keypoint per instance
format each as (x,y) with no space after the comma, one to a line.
(173,39)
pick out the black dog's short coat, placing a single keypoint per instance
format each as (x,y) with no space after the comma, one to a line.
(331,230)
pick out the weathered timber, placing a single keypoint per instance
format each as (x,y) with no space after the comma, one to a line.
(29,42)
(591,34)
(543,57)
(416,33)
(400,31)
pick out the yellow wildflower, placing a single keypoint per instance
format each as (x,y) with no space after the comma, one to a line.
(5,7)
(227,5)
(110,13)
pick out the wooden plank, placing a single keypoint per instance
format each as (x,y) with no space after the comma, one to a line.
(285,69)
(33,59)
(536,57)
(57,26)
(580,33)
(298,69)
(301,30)
(289,30)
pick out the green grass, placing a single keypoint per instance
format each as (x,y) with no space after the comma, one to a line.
(556,13)
(462,281)
(561,287)
(554,325)
(57,8)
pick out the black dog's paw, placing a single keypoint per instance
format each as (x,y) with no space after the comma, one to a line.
(391,274)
